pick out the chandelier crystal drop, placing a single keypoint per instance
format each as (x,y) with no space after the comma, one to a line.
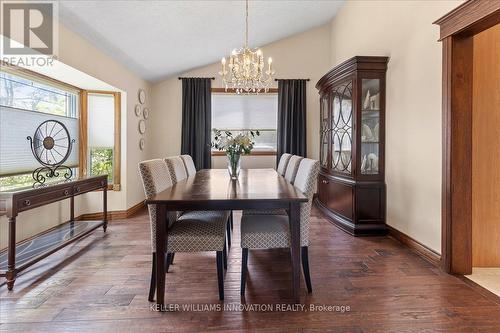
(246,71)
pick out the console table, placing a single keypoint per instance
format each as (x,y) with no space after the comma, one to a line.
(42,245)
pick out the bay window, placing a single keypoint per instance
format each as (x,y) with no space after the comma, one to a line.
(92,119)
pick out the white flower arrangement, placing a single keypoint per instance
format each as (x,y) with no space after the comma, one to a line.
(240,144)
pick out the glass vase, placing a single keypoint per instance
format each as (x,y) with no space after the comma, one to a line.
(233,165)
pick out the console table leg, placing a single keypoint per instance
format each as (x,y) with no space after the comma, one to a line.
(105,207)
(11,260)
(72,215)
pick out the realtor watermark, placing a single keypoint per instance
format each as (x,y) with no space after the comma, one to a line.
(240,307)
(29,32)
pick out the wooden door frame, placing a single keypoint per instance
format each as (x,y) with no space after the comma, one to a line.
(457,29)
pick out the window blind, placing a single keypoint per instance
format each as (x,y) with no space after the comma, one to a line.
(236,112)
(15,150)
(101,120)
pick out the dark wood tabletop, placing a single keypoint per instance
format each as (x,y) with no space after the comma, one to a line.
(211,185)
(213,189)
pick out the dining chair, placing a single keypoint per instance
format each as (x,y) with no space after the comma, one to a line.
(283,163)
(178,172)
(191,171)
(189,164)
(273,231)
(292,168)
(193,231)
(292,164)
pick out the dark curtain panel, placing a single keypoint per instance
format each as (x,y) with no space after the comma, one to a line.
(197,120)
(291,118)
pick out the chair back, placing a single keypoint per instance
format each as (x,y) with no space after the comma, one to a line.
(189,164)
(305,181)
(155,179)
(283,163)
(177,169)
(292,167)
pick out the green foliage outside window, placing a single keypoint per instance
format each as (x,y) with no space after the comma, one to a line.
(101,162)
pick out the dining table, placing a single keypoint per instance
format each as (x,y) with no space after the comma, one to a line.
(214,189)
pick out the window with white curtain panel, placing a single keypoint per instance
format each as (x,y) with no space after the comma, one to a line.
(248,112)
(25,102)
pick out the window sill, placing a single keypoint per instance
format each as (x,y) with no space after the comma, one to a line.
(253,153)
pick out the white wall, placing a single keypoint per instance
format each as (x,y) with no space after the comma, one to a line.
(403,30)
(306,55)
(82,55)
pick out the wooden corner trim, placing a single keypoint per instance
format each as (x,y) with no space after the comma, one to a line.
(422,250)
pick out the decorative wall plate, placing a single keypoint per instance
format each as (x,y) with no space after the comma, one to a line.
(138,110)
(142,96)
(145,113)
(141,144)
(142,126)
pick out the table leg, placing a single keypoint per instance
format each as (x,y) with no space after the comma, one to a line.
(72,216)
(11,260)
(105,207)
(294,220)
(161,246)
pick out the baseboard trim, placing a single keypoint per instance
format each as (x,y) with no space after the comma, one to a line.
(114,215)
(428,254)
(480,289)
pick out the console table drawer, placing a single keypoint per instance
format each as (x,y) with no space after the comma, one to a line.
(29,202)
(89,186)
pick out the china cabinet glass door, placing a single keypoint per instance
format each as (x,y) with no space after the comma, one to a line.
(341,128)
(324,131)
(370,126)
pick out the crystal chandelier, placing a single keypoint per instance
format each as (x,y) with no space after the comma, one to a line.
(245,71)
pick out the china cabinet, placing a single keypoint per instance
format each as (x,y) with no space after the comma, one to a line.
(351,185)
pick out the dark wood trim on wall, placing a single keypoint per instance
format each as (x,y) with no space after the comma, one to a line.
(471,15)
(425,252)
(457,30)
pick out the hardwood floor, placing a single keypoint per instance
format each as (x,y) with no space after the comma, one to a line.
(104,287)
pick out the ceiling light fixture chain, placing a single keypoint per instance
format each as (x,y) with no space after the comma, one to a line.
(245,72)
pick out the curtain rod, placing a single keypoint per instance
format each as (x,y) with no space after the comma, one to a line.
(211,78)
(294,79)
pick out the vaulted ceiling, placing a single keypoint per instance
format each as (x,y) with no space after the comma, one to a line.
(157,39)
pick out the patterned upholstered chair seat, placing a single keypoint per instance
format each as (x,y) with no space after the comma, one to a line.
(267,232)
(198,231)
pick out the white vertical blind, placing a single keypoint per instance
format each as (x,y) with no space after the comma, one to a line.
(101,120)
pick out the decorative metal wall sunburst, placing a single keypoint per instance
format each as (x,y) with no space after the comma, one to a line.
(51,146)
